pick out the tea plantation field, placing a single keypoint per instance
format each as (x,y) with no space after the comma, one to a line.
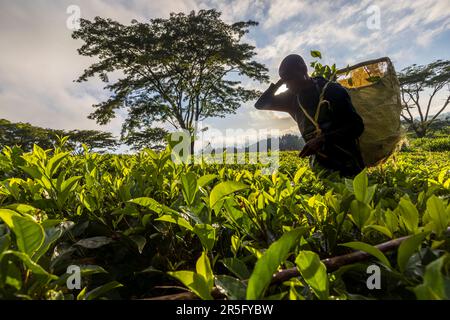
(94,226)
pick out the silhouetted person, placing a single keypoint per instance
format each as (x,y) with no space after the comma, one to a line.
(333,143)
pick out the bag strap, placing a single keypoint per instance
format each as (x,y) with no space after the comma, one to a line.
(315,120)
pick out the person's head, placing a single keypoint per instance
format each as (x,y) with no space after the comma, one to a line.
(294,72)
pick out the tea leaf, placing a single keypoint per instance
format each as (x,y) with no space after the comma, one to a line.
(223,189)
(270,261)
(368,249)
(407,248)
(314,272)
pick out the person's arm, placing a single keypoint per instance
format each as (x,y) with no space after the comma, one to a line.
(270,101)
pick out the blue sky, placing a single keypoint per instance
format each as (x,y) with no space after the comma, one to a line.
(38,58)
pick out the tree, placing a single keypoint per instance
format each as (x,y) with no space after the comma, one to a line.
(291,142)
(413,81)
(175,70)
(26,135)
(93,139)
(153,138)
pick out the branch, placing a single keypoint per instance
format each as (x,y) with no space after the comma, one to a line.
(188,111)
(187,296)
(172,123)
(404,98)
(197,88)
(160,90)
(439,112)
(335,263)
(435,90)
(155,81)
(411,120)
(416,102)
(332,264)
(153,78)
(207,92)
(406,119)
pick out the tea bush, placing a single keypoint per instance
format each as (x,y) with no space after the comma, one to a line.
(140,226)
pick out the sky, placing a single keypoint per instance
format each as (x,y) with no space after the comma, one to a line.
(39,61)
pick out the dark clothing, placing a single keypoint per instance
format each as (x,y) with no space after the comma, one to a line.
(339,122)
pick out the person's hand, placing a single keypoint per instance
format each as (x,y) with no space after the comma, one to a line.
(312,146)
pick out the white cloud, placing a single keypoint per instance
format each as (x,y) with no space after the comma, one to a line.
(234,10)
(417,17)
(38,58)
(426,37)
(39,61)
(282,10)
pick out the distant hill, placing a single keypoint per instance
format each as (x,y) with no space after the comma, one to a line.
(287,142)
(443,116)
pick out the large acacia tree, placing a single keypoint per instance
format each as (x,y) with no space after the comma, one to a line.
(414,80)
(174,70)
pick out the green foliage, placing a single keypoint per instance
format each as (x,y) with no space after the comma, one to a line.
(314,273)
(153,138)
(24,262)
(436,284)
(269,262)
(29,234)
(407,248)
(370,250)
(25,135)
(232,287)
(200,282)
(316,54)
(326,71)
(408,214)
(100,291)
(223,189)
(141,225)
(414,81)
(437,144)
(175,70)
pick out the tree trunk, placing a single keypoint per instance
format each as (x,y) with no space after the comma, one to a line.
(332,264)
(420,130)
(192,145)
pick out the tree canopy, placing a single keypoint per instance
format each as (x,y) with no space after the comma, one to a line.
(414,80)
(153,138)
(26,135)
(178,70)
